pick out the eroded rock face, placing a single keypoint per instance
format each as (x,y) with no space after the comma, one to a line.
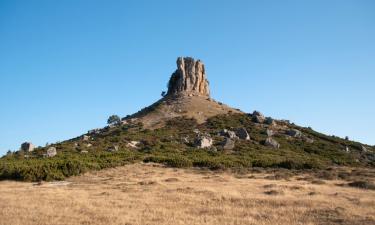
(189,78)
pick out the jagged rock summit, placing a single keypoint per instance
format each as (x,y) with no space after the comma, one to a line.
(189,78)
(188,96)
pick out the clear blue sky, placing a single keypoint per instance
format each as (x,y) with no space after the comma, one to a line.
(65,66)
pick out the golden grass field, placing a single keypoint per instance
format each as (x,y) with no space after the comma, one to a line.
(152,194)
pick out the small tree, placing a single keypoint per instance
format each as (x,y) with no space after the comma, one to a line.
(163,93)
(114,119)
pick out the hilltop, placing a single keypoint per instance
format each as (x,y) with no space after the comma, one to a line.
(188,128)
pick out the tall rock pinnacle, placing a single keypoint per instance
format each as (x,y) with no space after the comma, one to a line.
(189,78)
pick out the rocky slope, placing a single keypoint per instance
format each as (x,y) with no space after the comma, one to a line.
(188,128)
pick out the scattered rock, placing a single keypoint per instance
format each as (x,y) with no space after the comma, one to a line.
(84,152)
(89,145)
(228,144)
(228,134)
(203,142)
(133,144)
(113,148)
(27,147)
(258,117)
(270,142)
(294,133)
(51,152)
(242,134)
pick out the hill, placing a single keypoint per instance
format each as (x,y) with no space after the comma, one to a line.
(188,128)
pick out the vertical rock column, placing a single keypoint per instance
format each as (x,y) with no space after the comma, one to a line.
(189,78)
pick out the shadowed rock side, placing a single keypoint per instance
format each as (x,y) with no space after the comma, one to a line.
(188,95)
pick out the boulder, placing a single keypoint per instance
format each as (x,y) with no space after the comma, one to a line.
(228,144)
(203,142)
(51,152)
(84,152)
(294,133)
(258,117)
(27,147)
(88,145)
(114,148)
(242,134)
(270,142)
(228,134)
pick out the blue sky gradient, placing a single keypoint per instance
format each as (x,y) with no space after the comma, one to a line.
(65,66)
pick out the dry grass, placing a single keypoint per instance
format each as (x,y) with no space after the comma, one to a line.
(152,194)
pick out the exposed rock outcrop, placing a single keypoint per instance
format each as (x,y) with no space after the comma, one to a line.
(51,152)
(242,134)
(258,117)
(27,147)
(189,78)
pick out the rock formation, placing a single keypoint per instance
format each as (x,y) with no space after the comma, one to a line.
(189,78)
(27,147)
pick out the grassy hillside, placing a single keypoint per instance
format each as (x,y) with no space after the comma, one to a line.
(173,145)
